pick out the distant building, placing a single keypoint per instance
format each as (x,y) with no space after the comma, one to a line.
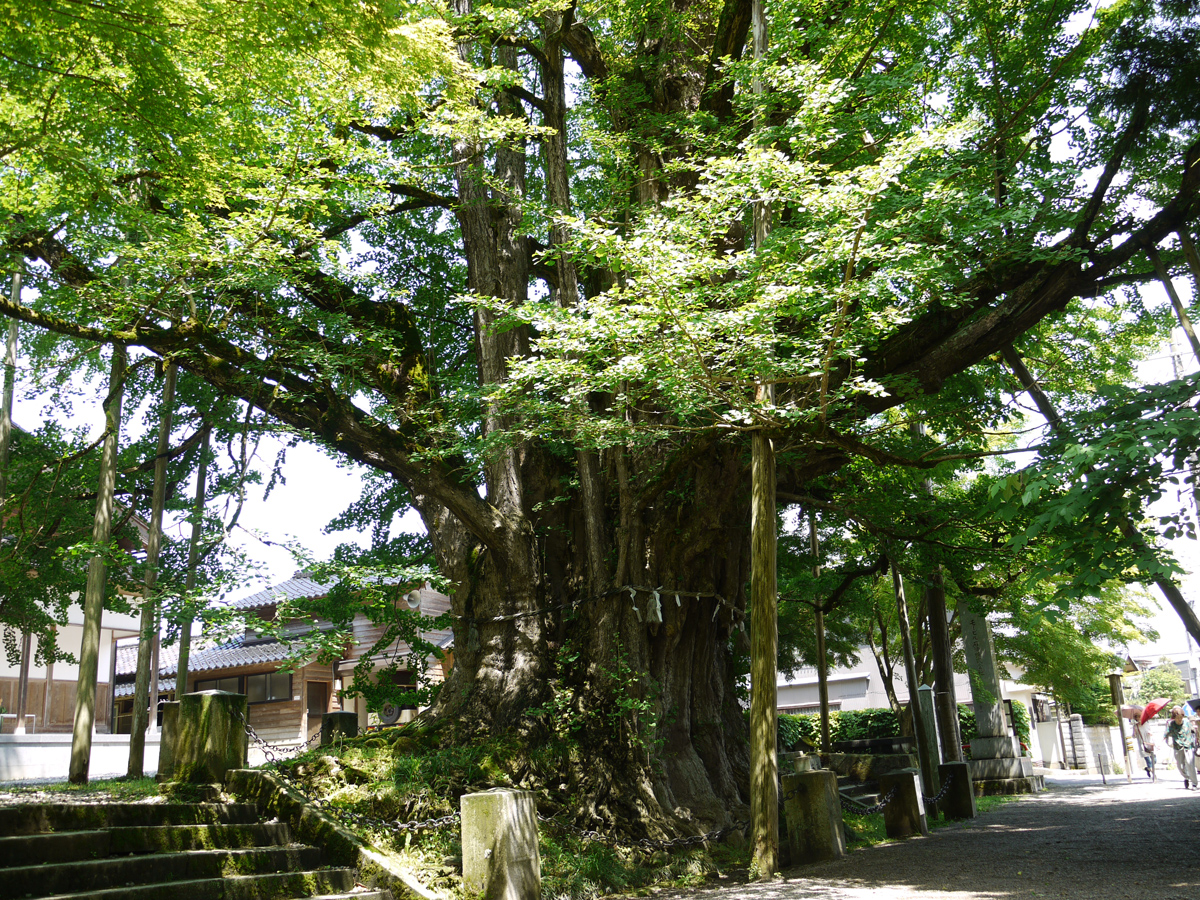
(51,697)
(286,707)
(861,687)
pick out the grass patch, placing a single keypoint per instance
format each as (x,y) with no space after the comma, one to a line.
(867,831)
(116,790)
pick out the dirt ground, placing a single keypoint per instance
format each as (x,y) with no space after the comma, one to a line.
(1078,839)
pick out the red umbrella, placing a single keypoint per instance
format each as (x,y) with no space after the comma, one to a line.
(1153,708)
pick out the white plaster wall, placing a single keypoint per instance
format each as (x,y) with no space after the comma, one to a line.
(14,671)
(49,756)
(1049,752)
(70,637)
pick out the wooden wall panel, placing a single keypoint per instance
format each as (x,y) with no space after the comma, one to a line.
(278,721)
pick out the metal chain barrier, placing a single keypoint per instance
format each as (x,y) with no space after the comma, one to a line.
(871,810)
(274,752)
(337,811)
(942,793)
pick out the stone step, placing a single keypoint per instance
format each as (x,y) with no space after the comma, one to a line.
(38,818)
(66,846)
(865,798)
(323,884)
(155,869)
(848,785)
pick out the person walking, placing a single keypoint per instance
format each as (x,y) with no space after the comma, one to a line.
(1147,747)
(1181,736)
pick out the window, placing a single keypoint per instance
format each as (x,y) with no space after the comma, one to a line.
(268,687)
(123,717)
(233,685)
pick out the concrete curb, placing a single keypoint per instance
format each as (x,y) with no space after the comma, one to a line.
(310,825)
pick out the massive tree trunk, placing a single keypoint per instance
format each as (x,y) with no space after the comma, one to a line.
(652,702)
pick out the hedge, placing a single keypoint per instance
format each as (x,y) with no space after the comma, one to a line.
(867,724)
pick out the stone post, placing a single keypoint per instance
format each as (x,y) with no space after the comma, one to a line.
(166,746)
(905,814)
(338,724)
(995,754)
(813,811)
(210,736)
(959,800)
(928,740)
(500,846)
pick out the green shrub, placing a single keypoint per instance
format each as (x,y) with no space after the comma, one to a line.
(844,725)
(867,724)
(1021,722)
(967,727)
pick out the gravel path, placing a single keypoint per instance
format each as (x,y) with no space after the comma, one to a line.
(1078,839)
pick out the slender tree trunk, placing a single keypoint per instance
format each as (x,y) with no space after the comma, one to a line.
(558,194)
(764,616)
(945,700)
(928,770)
(883,661)
(764,643)
(6,426)
(185,626)
(822,658)
(1193,259)
(148,627)
(93,604)
(945,703)
(1185,321)
(1168,588)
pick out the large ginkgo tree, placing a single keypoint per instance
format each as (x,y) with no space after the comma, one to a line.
(501,254)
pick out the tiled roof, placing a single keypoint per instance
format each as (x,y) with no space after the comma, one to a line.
(301,586)
(236,654)
(232,654)
(168,659)
(126,688)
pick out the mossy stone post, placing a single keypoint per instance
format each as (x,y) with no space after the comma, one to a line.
(166,745)
(905,814)
(813,811)
(210,736)
(959,800)
(338,724)
(927,739)
(500,846)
